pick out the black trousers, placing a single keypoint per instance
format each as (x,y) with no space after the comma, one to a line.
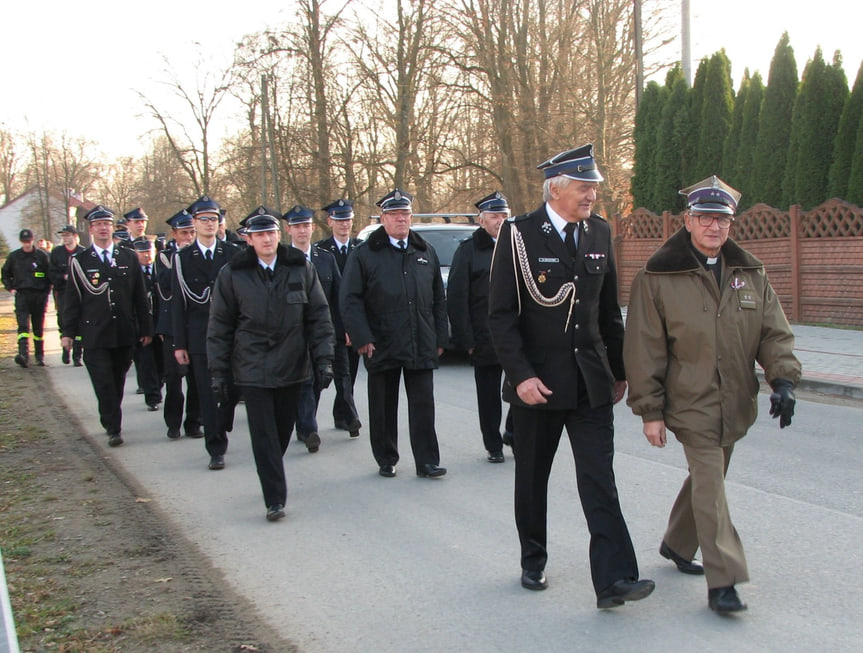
(148,370)
(344,407)
(383,388)
(271,413)
(30,312)
(217,418)
(107,368)
(488,379)
(591,435)
(174,399)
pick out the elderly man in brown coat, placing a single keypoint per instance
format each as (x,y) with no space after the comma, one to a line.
(701,313)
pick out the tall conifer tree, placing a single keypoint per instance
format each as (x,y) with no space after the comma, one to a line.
(645,135)
(674,129)
(716,115)
(771,149)
(813,131)
(743,166)
(846,140)
(732,142)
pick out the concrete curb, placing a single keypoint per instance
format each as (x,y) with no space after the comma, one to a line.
(8,637)
(825,386)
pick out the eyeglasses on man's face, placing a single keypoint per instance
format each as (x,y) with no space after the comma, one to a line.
(706,219)
(207,218)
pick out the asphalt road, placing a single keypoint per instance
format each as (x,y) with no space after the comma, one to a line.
(364,563)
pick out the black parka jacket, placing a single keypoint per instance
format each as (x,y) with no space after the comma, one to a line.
(467,297)
(395,300)
(268,333)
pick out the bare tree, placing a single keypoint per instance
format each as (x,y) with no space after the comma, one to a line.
(192,148)
(9,165)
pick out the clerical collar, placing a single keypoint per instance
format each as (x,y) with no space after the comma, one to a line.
(704,259)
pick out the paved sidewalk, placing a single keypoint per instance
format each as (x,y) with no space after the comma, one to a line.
(832,360)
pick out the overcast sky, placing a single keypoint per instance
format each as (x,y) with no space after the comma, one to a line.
(76,66)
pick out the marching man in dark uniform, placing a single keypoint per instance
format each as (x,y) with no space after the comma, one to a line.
(394,311)
(467,305)
(59,273)
(195,271)
(25,275)
(270,330)
(300,230)
(148,358)
(136,223)
(557,329)
(340,218)
(106,305)
(183,232)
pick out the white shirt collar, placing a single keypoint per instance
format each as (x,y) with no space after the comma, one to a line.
(204,250)
(109,249)
(395,241)
(558,222)
(340,244)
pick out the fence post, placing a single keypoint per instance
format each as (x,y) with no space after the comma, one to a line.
(794,251)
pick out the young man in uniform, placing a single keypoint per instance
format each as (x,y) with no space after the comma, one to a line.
(25,275)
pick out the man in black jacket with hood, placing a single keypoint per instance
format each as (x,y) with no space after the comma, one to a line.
(394,312)
(270,327)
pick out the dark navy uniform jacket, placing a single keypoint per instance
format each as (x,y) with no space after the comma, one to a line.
(191,285)
(537,341)
(106,304)
(330,245)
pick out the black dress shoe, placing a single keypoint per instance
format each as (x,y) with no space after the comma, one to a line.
(65,357)
(77,363)
(139,391)
(173,434)
(430,470)
(341,425)
(724,600)
(196,432)
(312,442)
(152,407)
(533,580)
(495,457)
(275,512)
(387,470)
(114,440)
(693,566)
(622,591)
(507,438)
(217,462)
(354,428)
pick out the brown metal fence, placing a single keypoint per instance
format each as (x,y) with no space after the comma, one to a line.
(814,259)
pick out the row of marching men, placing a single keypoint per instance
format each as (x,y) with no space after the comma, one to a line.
(121,294)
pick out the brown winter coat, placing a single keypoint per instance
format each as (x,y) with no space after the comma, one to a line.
(690,345)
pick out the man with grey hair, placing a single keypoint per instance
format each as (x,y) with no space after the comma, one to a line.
(557,329)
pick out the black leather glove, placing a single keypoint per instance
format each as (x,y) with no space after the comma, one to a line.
(220,389)
(324,375)
(782,401)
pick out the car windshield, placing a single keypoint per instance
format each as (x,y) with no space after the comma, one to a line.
(445,241)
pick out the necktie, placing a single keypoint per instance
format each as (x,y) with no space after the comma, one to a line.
(209,256)
(270,273)
(105,258)
(569,241)
(402,245)
(147,272)
(344,250)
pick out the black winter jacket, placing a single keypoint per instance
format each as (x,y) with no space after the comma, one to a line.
(467,297)
(395,300)
(265,331)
